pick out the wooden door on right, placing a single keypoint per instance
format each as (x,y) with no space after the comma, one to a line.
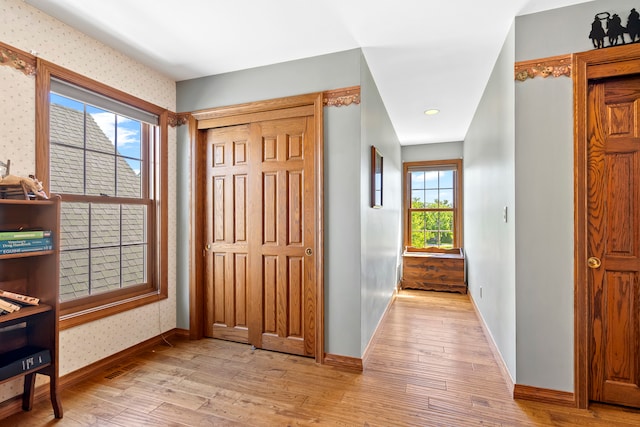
(614,239)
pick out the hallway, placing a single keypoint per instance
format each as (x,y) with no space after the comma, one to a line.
(430,366)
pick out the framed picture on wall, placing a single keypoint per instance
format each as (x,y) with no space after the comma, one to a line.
(376,178)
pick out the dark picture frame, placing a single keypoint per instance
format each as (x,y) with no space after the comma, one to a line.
(376,178)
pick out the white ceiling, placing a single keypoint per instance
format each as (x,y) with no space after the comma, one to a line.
(422,53)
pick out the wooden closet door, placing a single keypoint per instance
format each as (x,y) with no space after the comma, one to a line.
(227,234)
(260,268)
(614,239)
(282,248)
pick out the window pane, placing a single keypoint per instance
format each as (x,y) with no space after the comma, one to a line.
(66,118)
(100,174)
(133,224)
(446,179)
(418,224)
(431,221)
(446,221)
(128,138)
(446,198)
(431,178)
(431,238)
(105,225)
(105,270)
(417,180)
(67,170)
(74,274)
(129,178)
(133,265)
(101,130)
(74,226)
(417,239)
(417,199)
(431,198)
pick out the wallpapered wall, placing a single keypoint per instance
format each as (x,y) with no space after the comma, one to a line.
(28,29)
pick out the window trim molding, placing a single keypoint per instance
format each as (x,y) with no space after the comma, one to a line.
(457,215)
(134,297)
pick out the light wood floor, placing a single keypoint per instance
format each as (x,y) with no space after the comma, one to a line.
(431,366)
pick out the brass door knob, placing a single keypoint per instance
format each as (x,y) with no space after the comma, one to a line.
(594,262)
(308,252)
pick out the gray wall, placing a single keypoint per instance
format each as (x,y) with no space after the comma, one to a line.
(381,228)
(488,188)
(333,71)
(544,247)
(441,151)
(544,194)
(345,288)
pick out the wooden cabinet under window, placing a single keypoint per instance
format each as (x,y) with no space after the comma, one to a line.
(31,330)
(434,269)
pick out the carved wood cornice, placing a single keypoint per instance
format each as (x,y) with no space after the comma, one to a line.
(21,61)
(340,97)
(178,119)
(554,66)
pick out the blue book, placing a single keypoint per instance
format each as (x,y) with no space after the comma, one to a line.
(30,243)
(43,245)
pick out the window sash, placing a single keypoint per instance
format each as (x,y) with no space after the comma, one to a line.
(434,166)
(80,311)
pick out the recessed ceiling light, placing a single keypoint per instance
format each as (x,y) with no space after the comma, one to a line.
(432,111)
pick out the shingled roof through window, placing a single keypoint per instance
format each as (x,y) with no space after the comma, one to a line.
(68,176)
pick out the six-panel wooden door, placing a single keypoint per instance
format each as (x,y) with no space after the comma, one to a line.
(260,269)
(614,239)
(227,234)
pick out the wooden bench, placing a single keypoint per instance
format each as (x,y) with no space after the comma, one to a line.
(434,269)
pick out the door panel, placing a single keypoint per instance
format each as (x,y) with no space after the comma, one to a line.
(226,266)
(288,214)
(614,204)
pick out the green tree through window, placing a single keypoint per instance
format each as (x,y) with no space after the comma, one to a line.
(431,208)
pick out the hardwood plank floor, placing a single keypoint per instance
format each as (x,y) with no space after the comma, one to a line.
(431,366)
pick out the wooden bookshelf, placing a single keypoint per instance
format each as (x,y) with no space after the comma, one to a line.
(32,328)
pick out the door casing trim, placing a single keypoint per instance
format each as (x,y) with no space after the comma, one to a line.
(586,66)
(197,137)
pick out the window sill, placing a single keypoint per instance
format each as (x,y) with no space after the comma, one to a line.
(81,317)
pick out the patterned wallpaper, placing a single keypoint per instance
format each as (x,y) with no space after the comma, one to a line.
(28,29)
(17,120)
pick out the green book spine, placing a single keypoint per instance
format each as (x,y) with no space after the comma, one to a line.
(24,235)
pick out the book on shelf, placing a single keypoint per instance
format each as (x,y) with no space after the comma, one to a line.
(24,246)
(25,234)
(27,243)
(19,298)
(23,360)
(8,306)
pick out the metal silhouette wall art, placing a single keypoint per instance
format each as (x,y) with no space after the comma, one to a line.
(607,29)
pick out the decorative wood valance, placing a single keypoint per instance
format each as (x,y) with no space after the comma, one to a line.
(340,97)
(21,61)
(554,66)
(178,119)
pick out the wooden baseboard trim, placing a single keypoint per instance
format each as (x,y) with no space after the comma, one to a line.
(374,337)
(343,362)
(494,348)
(14,405)
(544,395)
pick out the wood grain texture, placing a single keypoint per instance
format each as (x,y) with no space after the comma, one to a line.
(434,269)
(431,366)
(269,211)
(538,394)
(613,237)
(618,61)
